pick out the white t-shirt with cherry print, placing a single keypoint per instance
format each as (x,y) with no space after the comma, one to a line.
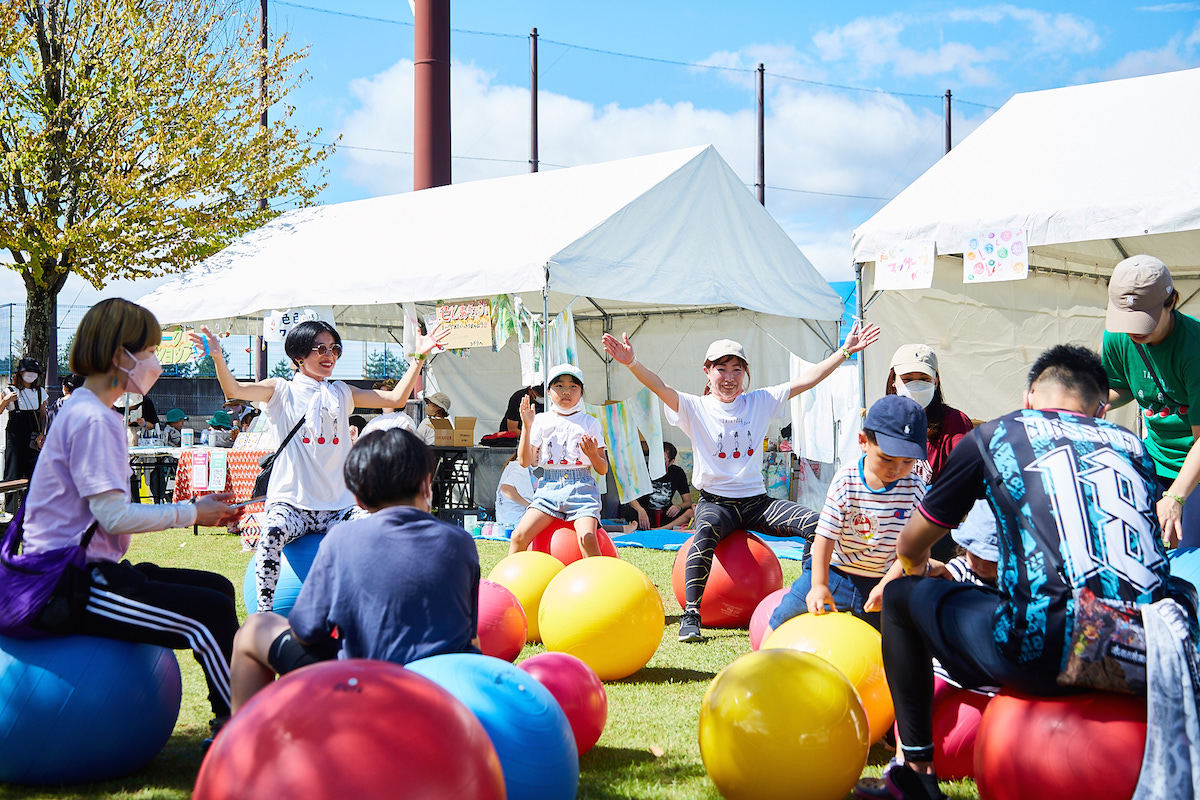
(556,437)
(727,438)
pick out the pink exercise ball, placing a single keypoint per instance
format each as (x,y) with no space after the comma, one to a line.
(578,691)
(956,716)
(760,620)
(560,540)
(502,625)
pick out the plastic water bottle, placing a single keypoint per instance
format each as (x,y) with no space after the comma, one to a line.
(204,436)
(187,437)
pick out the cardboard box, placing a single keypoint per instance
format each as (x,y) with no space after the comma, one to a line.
(443,432)
(460,434)
(464,431)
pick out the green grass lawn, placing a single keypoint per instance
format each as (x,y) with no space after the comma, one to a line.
(649,748)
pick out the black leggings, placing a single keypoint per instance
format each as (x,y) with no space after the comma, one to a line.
(717,517)
(926,618)
(175,608)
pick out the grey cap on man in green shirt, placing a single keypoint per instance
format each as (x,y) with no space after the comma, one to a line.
(1138,292)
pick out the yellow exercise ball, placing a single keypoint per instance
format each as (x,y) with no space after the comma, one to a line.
(851,645)
(526,575)
(778,723)
(606,613)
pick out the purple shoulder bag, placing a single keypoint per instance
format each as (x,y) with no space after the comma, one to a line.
(49,587)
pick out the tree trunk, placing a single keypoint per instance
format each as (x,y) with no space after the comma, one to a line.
(41,315)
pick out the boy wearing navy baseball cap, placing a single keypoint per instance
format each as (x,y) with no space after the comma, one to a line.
(868,503)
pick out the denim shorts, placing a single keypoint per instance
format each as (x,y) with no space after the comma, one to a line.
(568,494)
(849,592)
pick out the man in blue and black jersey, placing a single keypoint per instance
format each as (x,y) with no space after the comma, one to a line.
(1074,501)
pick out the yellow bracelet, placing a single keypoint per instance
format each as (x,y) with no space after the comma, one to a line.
(1174,497)
(421,356)
(845,352)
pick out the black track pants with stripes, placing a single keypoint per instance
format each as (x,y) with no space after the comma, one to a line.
(175,608)
(717,517)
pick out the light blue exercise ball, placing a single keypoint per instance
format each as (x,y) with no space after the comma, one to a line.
(525,723)
(293,569)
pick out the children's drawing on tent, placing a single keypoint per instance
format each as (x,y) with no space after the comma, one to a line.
(996,256)
(907,265)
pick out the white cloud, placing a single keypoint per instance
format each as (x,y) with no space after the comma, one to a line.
(879,44)
(817,140)
(1170,8)
(1181,51)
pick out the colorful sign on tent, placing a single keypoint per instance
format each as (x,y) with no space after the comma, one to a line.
(907,265)
(469,323)
(276,324)
(996,256)
(176,347)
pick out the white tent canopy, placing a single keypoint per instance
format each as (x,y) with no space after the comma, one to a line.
(672,244)
(1093,173)
(675,228)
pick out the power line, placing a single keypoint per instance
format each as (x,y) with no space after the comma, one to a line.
(410,152)
(564,166)
(634,56)
(825,194)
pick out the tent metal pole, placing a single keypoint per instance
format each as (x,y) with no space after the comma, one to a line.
(546,336)
(862,361)
(606,319)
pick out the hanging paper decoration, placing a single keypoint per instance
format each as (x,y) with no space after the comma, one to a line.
(907,265)
(996,256)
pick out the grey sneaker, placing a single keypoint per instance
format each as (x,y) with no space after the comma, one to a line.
(689,627)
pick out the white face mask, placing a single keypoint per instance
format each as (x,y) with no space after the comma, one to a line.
(920,391)
(29,377)
(567,411)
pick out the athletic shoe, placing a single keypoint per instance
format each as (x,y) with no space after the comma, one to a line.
(899,783)
(689,627)
(214,727)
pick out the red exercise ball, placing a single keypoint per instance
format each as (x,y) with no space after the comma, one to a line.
(352,728)
(502,624)
(1045,748)
(760,620)
(956,715)
(578,691)
(560,540)
(744,571)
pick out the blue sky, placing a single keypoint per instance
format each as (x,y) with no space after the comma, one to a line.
(823,143)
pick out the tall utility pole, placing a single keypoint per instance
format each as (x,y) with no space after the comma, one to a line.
(533,90)
(761,183)
(947,112)
(431,57)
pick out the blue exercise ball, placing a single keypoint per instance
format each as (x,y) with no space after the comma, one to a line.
(293,569)
(1185,563)
(79,709)
(525,723)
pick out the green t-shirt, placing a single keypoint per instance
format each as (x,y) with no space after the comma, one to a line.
(1176,361)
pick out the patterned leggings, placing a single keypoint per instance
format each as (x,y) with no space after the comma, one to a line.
(717,517)
(284,523)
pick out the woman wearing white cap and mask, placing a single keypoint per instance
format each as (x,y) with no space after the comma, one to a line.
(914,373)
(1151,353)
(726,426)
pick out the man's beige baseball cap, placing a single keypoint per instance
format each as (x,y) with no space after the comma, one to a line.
(1137,293)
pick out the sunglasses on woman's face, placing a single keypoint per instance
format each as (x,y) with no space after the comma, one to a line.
(326,349)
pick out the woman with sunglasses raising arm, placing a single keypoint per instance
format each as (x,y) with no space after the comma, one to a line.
(306,492)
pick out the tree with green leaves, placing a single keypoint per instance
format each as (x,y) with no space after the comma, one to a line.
(282,370)
(130,140)
(384,364)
